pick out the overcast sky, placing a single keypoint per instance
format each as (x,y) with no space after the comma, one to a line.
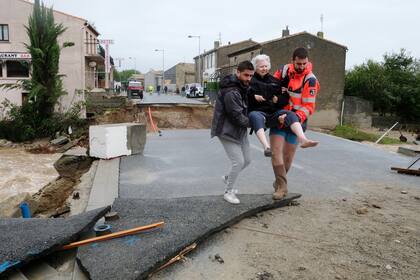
(369,28)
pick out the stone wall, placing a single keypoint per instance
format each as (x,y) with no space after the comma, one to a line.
(357,112)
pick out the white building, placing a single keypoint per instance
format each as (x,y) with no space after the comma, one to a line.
(82,64)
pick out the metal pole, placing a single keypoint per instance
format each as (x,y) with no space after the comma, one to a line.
(199,56)
(163,69)
(199,60)
(342,112)
(380,138)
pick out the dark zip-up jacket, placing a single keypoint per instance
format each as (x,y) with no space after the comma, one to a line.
(230,118)
(267,86)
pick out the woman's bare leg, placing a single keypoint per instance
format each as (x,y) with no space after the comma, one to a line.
(262,138)
(304,142)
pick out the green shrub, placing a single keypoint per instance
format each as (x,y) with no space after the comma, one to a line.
(24,124)
(354,134)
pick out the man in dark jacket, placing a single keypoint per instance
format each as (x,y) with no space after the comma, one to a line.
(230,123)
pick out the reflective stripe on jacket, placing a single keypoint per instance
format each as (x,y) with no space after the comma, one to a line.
(302,88)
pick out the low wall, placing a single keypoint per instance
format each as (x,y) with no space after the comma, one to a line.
(357,112)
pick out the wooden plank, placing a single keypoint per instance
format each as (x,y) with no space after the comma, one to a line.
(113,235)
(406,171)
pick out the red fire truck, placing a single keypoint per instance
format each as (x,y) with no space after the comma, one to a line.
(135,88)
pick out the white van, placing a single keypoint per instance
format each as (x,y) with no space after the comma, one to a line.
(194,90)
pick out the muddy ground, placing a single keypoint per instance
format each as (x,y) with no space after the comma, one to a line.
(371,235)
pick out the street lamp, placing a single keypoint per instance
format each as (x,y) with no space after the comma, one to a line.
(199,55)
(135,63)
(163,66)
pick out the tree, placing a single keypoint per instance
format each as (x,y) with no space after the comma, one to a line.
(124,75)
(36,117)
(45,85)
(392,85)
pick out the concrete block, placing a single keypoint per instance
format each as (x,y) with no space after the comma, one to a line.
(114,140)
(412,152)
(108,141)
(136,136)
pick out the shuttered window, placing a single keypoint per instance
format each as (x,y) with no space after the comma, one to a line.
(4,32)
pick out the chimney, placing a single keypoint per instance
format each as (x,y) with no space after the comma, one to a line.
(320,34)
(216,44)
(285,32)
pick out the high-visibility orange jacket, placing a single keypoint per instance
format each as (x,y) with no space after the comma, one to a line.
(302,89)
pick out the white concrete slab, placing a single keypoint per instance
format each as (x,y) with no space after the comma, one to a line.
(108,141)
(105,184)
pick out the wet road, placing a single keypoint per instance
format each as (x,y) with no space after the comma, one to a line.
(184,163)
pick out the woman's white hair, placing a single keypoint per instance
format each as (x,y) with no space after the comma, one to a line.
(261,57)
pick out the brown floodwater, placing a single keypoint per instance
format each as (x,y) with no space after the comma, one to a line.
(21,171)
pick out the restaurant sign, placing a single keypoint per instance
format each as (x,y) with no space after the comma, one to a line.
(14,56)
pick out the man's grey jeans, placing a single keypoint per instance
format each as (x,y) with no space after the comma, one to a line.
(239,155)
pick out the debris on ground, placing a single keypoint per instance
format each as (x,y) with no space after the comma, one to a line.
(61,140)
(179,257)
(76,195)
(294,203)
(264,275)
(362,210)
(42,148)
(375,205)
(218,258)
(111,216)
(6,144)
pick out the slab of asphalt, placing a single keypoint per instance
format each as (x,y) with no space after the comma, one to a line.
(183,163)
(187,221)
(22,240)
(187,163)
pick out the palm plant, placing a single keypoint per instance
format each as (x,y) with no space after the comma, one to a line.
(45,86)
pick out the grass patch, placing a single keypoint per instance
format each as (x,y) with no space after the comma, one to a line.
(354,134)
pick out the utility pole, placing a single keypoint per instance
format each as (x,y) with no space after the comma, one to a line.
(163,66)
(199,55)
(135,63)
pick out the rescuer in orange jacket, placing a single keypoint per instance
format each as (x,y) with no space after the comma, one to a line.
(302,87)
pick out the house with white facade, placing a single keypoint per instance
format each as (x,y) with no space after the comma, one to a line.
(83,65)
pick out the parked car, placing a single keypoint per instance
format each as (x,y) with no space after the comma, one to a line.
(135,88)
(194,90)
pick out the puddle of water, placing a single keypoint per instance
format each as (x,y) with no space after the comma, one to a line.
(24,172)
